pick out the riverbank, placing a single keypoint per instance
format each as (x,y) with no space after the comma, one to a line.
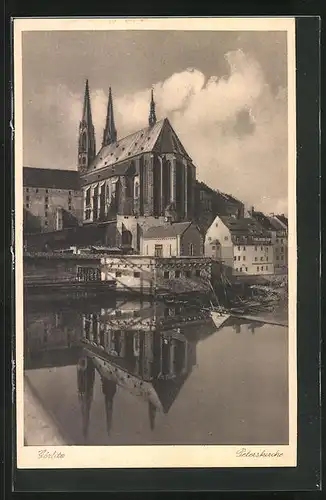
(40,429)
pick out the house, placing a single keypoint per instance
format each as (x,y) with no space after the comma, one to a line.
(173,239)
(52,199)
(278,232)
(241,244)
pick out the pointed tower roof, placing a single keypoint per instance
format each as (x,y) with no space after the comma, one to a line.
(152,115)
(110,132)
(87,112)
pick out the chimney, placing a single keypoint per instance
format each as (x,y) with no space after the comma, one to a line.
(252,210)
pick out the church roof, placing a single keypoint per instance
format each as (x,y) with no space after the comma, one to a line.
(168,230)
(160,138)
(51,178)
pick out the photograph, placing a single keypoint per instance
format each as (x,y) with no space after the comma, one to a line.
(155,188)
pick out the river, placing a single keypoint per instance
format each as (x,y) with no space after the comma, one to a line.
(122,372)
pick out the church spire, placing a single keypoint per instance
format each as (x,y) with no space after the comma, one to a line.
(86,143)
(110,132)
(152,115)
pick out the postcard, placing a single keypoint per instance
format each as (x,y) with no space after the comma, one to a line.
(155,242)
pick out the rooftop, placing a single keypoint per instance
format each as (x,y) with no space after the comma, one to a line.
(160,138)
(168,230)
(264,221)
(244,226)
(51,178)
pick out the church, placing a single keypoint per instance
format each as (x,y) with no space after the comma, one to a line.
(142,180)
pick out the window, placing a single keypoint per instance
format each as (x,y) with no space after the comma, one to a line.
(226,238)
(277,257)
(27,205)
(209,238)
(46,206)
(261,258)
(118,274)
(45,213)
(261,248)
(170,249)
(266,268)
(214,247)
(282,241)
(262,268)
(177,274)
(244,248)
(216,225)
(256,258)
(36,190)
(246,268)
(282,249)
(69,192)
(244,257)
(146,249)
(191,249)
(240,269)
(281,257)
(239,257)
(46,199)
(197,273)
(239,248)
(257,268)
(46,223)
(27,190)
(235,257)
(158,251)
(69,207)
(276,240)
(255,249)
(236,269)
(46,191)
(166,273)
(136,274)
(188,274)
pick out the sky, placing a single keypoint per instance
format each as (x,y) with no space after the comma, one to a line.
(225,94)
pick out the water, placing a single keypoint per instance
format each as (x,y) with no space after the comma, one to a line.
(156,375)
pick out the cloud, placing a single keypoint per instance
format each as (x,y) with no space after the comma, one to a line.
(234,127)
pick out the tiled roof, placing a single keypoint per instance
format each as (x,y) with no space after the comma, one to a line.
(263,221)
(276,224)
(244,225)
(283,219)
(167,230)
(51,178)
(160,138)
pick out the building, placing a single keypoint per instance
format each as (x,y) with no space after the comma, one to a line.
(153,275)
(278,233)
(210,202)
(241,244)
(146,174)
(52,199)
(173,239)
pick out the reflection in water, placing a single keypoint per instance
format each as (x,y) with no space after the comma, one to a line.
(149,352)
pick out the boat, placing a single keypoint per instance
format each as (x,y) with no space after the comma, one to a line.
(219,316)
